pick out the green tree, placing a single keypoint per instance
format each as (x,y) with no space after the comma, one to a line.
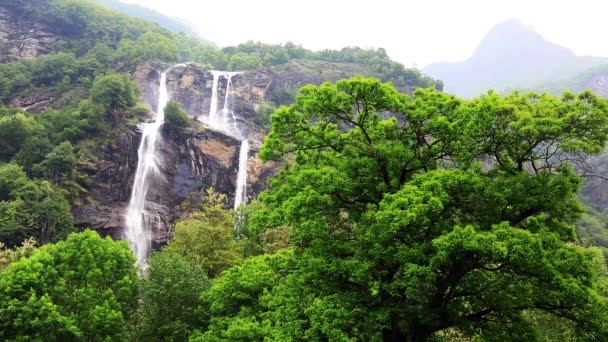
(58,164)
(207,238)
(53,68)
(169,298)
(235,308)
(15,131)
(81,289)
(113,92)
(452,215)
(148,47)
(30,208)
(175,117)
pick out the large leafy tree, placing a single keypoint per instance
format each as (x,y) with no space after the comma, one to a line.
(424,216)
(80,289)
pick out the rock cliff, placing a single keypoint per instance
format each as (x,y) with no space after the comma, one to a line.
(23,37)
(192,161)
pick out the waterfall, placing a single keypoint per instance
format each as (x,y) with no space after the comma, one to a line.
(227,123)
(240,196)
(139,222)
(224,120)
(213,109)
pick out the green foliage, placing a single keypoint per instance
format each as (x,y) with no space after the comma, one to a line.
(14,77)
(243,61)
(169,297)
(234,308)
(31,208)
(113,92)
(207,238)
(149,47)
(53,68)
(252,55)
(175,117)
(451,217)
(14,133)
(81,289)
(58,164)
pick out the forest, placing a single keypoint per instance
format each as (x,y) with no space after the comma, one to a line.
(395,216)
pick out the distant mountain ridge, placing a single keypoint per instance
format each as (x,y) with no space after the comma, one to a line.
(172,24)
(511,55)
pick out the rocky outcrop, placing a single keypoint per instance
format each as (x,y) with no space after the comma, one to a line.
(110,183)
(39,100)
(23,38)
(35,101)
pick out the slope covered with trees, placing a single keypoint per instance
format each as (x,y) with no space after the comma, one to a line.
(175,25)
(378,229)
(398,215)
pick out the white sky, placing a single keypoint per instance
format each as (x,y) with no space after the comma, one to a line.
(413,32)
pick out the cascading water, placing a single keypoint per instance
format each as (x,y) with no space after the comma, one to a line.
(240,197)
(213,109)
(139,221)
(228,124)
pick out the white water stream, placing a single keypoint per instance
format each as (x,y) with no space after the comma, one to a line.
(240,197)
(226,122)
(139,222)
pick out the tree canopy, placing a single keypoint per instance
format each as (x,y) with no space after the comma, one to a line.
(113,92)
(414,217)
(80,289)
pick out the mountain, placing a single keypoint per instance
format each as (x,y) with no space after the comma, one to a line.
(595,79)
(511,55)
(175,25)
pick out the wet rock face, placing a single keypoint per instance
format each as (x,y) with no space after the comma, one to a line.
(191,85)
(23,38)
(109,190)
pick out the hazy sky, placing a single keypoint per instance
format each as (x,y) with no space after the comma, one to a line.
(413,32)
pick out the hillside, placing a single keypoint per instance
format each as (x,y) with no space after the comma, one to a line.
(53,69)
(595,79)
(154,187)
(175,25)
(511,55)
